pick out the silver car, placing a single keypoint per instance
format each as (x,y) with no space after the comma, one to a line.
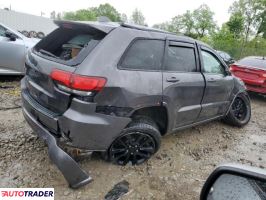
(13,48)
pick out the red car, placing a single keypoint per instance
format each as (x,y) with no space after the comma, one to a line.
(252,71)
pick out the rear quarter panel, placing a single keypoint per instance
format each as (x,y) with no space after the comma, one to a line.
(124,88)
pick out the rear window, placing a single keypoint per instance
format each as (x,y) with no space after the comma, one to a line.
(69,46)
(253,62)
(144,54)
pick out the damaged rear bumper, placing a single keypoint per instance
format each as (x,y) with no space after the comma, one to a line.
(80,126)
(75,176)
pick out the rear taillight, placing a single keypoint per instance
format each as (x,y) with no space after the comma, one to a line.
(233,68)
(77,84)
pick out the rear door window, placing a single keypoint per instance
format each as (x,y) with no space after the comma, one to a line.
(144,54)
(181,59)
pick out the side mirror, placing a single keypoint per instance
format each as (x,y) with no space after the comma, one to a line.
(11,36)
(235,182)
(231,61)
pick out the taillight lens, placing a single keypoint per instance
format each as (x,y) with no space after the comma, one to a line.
(232,68)
(78,84)
(61,77)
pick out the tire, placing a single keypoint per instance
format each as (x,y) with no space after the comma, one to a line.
(136,144)
(239,116)
(25,33)
(32,34)
(40,35)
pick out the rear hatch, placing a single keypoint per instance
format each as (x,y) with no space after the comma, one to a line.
(64,49)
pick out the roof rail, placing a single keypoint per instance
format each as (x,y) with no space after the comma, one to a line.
(144,28)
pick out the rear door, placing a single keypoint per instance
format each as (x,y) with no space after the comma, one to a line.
(12,53)
(183,84)
(219,85)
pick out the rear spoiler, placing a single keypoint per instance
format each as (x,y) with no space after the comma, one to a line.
(104,27)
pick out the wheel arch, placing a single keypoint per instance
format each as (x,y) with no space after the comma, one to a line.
(158,114)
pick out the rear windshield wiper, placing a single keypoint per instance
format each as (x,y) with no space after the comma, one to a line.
(48,53)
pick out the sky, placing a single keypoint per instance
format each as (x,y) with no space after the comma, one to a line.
(155,11)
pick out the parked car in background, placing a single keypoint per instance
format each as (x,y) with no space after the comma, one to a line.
(13,48)
(226,57)
(251,70)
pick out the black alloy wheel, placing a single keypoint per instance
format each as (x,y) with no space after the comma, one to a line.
(133,147)
(239,109)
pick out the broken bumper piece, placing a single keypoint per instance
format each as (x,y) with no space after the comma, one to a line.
(75,176)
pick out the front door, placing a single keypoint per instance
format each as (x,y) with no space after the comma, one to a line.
(219,85)
(183,84)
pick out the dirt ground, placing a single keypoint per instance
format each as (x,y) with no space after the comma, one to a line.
(177,171)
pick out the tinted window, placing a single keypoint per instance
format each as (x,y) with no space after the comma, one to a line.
(2,31)
(211,64)
(253,62)
(144,55)
(181,59)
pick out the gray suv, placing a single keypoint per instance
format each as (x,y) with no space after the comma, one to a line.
(117,88)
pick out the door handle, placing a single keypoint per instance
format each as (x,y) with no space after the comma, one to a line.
(172,79)
(212,80)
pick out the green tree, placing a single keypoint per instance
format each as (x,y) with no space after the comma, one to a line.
(108,11)
(236,24)
(137,17)
(196,24)
(81,15)
(167,26)
(184,23)
(251,10)
(203,20)
(226,41)
(92,13)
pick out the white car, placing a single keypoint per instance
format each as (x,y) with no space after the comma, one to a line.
(13,48)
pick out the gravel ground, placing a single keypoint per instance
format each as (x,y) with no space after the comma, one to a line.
(177,171)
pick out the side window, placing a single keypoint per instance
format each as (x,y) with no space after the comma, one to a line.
(2,31)
(144,55)
(211,64)
(181,59)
